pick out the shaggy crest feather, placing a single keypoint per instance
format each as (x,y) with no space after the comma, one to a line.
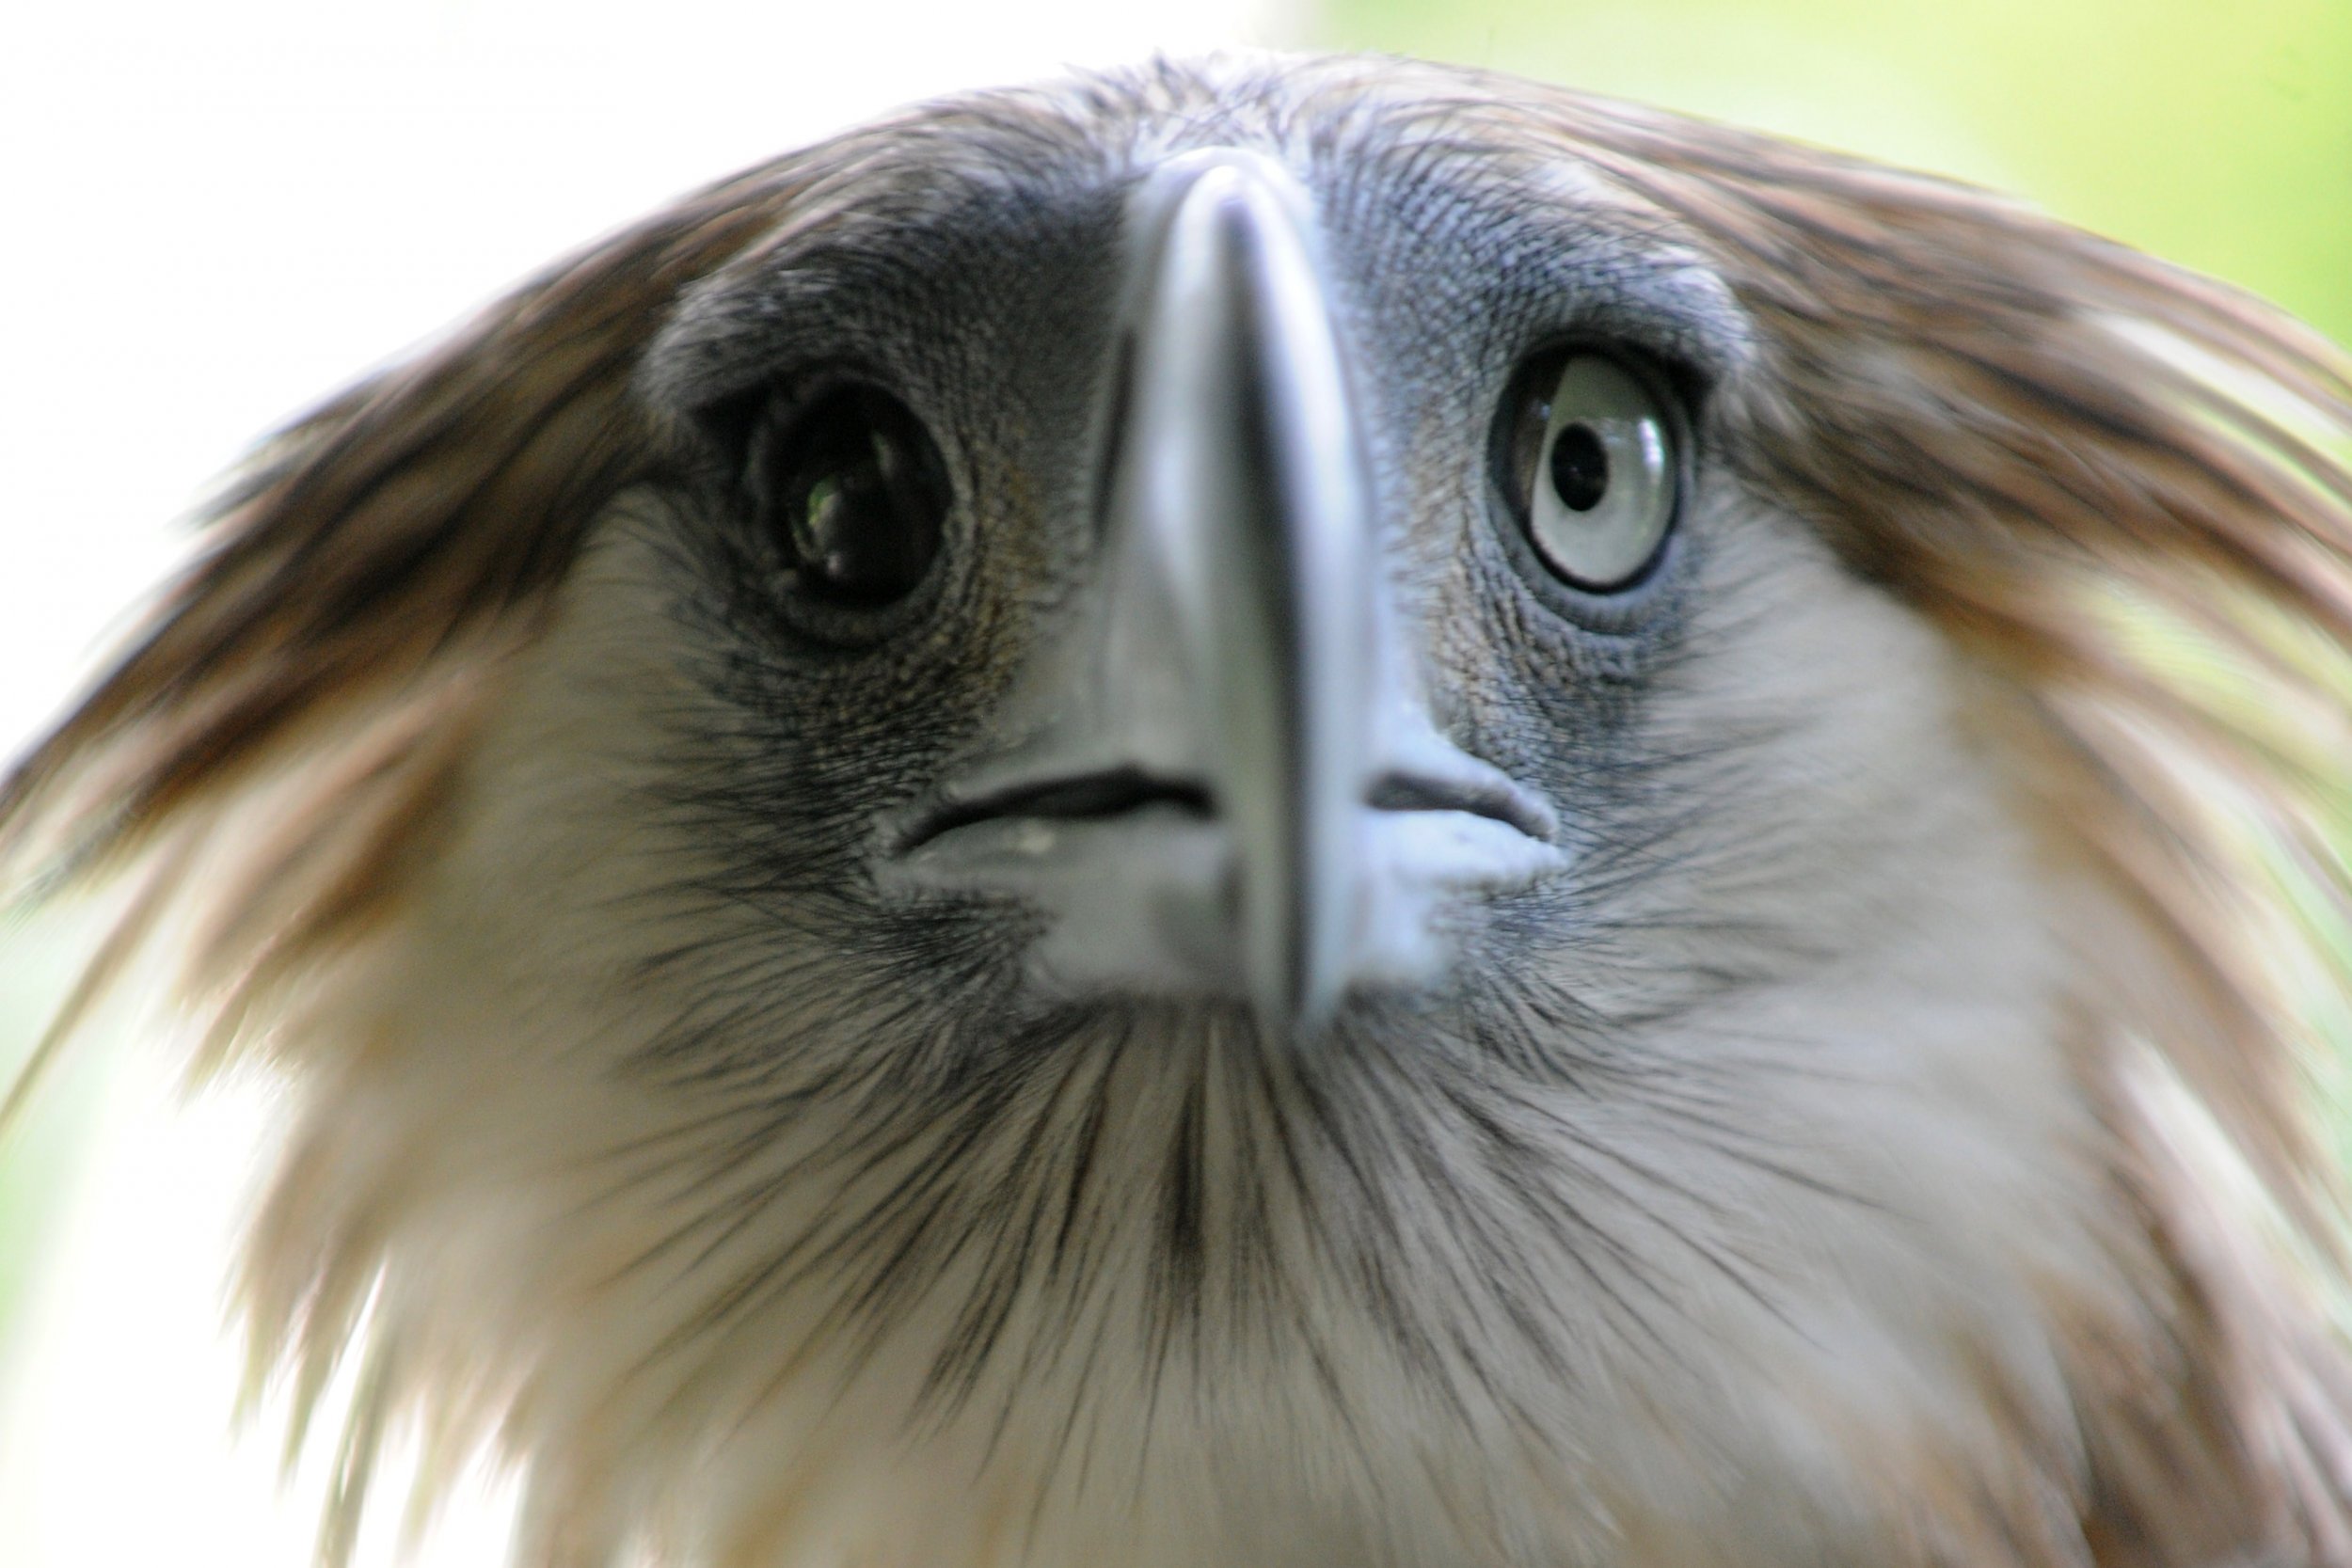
(2088,516)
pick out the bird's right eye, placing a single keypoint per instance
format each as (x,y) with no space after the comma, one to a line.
(855,496)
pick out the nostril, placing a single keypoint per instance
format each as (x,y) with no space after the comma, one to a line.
(1084,796)
(1109,794)
(1499,800)
(1114,792)
(1402,792)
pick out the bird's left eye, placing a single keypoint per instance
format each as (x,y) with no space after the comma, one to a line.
(1591,468)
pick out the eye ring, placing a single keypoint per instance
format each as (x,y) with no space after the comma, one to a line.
(1590,455)
(851,500)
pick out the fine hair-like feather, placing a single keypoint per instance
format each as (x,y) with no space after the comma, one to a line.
(2121,493)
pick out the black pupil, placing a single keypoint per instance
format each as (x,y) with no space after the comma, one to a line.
(1580,468)
(859,496)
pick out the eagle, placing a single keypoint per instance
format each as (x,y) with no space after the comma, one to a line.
(1286,811)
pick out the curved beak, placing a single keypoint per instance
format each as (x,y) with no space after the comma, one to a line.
(1205,778)
(1243,474)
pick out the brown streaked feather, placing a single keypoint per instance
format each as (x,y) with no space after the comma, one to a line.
(1943,389)
(419,511)
(2013,453)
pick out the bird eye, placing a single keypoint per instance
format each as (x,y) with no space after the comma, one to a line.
(1590,467)
(855,495)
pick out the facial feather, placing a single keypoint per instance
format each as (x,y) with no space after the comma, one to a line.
(1820,1167)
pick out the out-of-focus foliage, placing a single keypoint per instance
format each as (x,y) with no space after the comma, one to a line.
(2218,135)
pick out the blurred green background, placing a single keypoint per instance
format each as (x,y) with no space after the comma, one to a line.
(2216,135)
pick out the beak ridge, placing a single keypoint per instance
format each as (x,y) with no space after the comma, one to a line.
(1243,479)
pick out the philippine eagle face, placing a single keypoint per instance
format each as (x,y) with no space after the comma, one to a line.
(1282,813)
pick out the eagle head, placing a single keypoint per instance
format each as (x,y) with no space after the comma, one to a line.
(1280,811)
